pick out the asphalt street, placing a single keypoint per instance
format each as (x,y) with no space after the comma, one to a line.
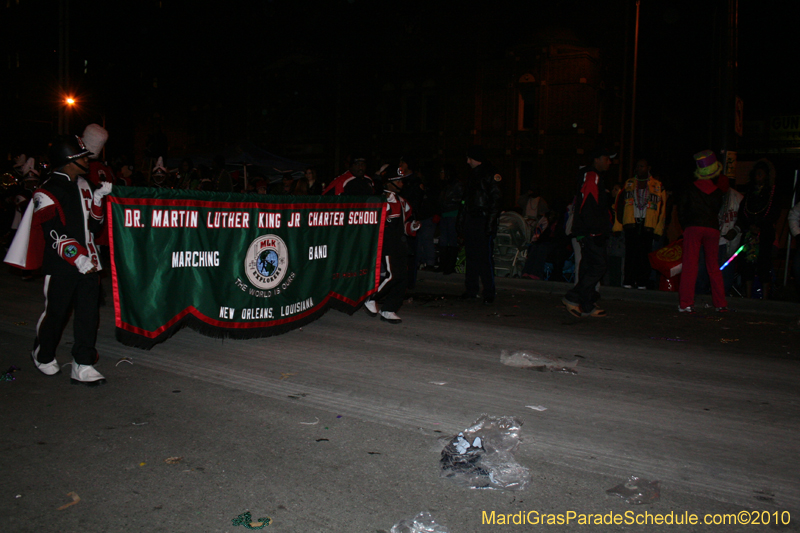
(339,426)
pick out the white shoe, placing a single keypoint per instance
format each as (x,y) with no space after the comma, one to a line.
(371,307)
(86,375)
(48,369)
(390,317)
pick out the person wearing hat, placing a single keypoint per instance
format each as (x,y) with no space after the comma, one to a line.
(95,137)
(358,169)
(159,175)
(591,226)
(698,213)
(66,214)
(30,181)
(399,226)
(477,219)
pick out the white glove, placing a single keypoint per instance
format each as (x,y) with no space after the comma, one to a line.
(416,225)
(104,189)
(84,264)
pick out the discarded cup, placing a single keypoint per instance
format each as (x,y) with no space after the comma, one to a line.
(481,456)
(637,491)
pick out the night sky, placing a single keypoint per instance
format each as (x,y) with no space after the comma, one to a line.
(177,56)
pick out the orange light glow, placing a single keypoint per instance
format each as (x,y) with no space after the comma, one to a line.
(70,100)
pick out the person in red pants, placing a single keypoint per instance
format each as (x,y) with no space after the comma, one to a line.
(698,213)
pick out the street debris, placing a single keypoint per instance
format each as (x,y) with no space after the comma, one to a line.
(287,375)
(311,423)
(537,407)
(246,519)
(637,491)
(173,460)
(725,341)
(438,382)
(124,360)
(482,456)
(20,323)
(675,339)
(75,499)
(9,374)
(422,523)
(542,363)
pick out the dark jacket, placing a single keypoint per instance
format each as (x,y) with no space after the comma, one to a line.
(482,197)
(413,194)
(759,209)
(63,209)
(700,204)
(592,205)
(451,195)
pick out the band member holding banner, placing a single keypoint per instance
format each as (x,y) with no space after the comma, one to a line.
(400,224)
(59,235)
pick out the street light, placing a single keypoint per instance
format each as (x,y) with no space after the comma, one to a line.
(69,104)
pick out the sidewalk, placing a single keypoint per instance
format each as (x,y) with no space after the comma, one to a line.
(660,298)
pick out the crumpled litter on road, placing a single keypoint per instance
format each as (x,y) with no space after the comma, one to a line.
(75,499)
(482,456)
(9,375)
(246,519)
(542,363)
(637,491)
(422,523)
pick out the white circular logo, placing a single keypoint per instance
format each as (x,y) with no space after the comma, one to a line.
(267,261)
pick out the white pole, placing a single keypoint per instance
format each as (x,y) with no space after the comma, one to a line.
(789,236)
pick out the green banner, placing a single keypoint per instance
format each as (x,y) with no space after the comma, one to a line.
(237,265)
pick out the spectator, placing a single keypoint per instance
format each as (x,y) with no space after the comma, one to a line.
(188,177)
(757,215)
(223,182)
(478,223)
(640,213)
(451,192)
(532,206)
(729,240)
(358,168)
(309,184)
(698,212)
(591,227)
